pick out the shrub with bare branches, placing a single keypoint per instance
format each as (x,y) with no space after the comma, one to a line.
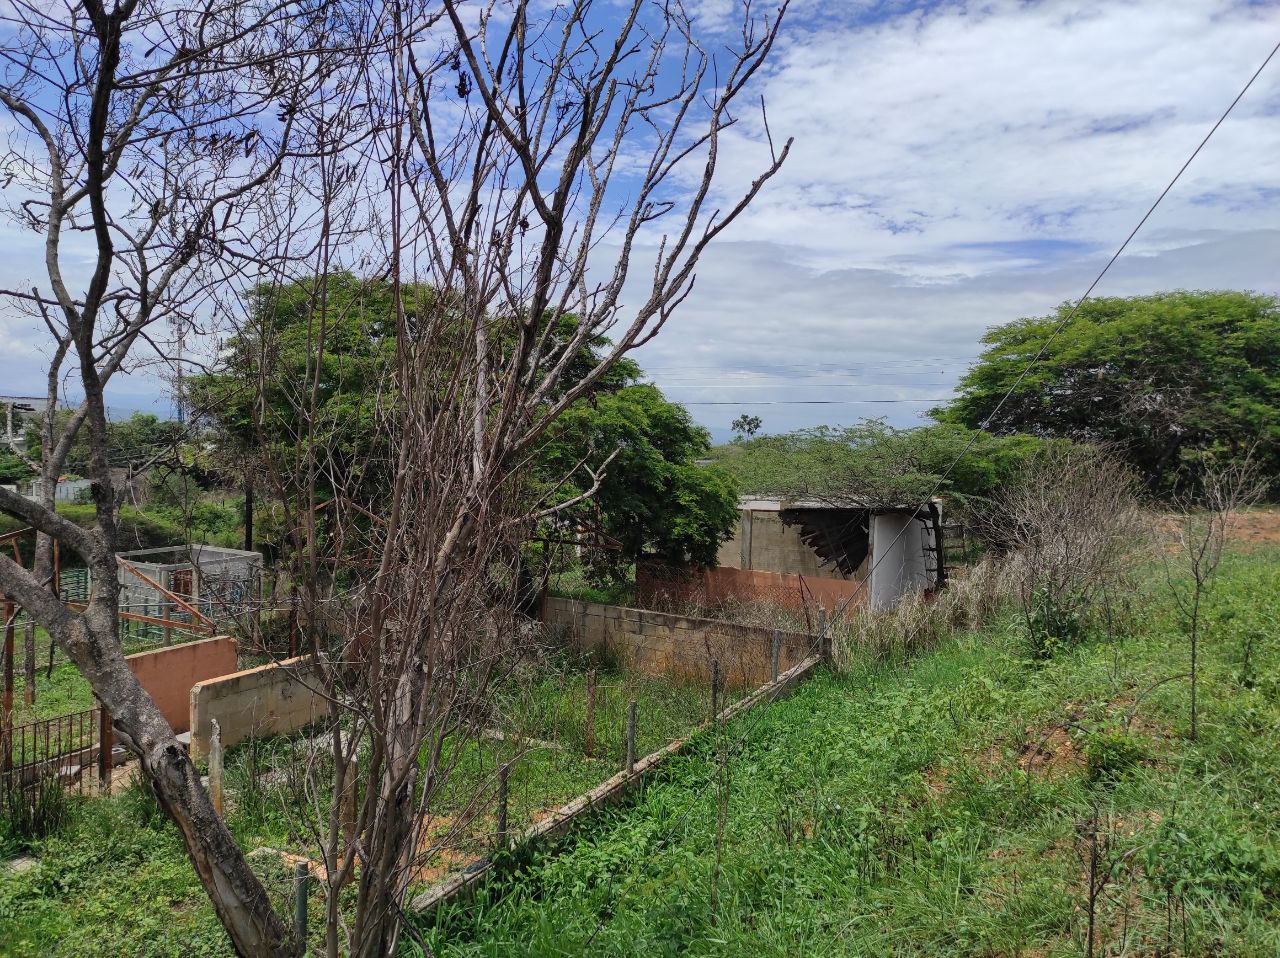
(1072,527)
(1199,530)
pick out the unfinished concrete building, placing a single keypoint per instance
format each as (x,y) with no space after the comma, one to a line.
(898,547)
(814,553)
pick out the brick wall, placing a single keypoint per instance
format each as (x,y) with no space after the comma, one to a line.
(656,585)
(675,646)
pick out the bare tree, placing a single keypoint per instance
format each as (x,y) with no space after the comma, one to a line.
(152,133)
(1202,521)
(528,157)
(1072,525)
(512,162)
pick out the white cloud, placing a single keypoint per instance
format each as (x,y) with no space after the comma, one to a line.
(955,165)
(966,164)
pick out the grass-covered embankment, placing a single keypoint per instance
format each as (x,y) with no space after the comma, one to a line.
(946,807)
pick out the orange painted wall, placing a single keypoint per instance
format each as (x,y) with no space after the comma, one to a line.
(168,674)
(712,587)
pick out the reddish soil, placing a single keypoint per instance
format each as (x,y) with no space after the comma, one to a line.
(1260,527)
(1250,530)
(1051,753)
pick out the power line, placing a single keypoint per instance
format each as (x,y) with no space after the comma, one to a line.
(843,607)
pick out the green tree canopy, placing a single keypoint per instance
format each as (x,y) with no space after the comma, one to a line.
(655,499)
(1168,379)
(260,397)
(875,462)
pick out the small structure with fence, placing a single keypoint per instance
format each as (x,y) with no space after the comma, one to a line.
(191,581)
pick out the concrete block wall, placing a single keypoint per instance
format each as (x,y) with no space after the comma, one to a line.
(268,700)
(168,674)
(761,541)
(675,646)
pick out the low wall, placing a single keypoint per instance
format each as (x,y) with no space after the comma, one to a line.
(675,646)
(268,700)
(614,789)
(168,674)
(712,587)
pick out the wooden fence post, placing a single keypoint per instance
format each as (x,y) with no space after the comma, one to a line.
(631,736)
(29,663)
(589,748)
(6,719)
(215,767)
(8,662)
(106,744)
(777,652)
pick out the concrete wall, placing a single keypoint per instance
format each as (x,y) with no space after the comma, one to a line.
(899,562)
(268,700)
(168,674)
(761,542)
(711,587)
(673,646)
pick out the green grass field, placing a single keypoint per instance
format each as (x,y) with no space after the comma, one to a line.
(115,879)
(945,807)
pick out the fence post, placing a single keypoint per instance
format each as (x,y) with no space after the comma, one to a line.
(501,836)
(215,767)
(590,745)
(8,662)
(631,736)
(824,642)
(106,744)
(777,652)
(300,882)
(715,689)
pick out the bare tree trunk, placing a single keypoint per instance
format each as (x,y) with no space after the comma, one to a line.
(154,131)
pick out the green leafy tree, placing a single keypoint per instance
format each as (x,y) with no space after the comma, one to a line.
(654,499)
(304,370)
(13,468)
(1172,380)
(746,425)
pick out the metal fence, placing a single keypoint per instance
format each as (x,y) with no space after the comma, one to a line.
(71,746)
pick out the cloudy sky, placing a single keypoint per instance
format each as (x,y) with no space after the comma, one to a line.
(956,165)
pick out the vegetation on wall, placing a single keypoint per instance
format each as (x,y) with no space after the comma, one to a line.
(878,463)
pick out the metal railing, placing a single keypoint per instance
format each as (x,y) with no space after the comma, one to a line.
(70,746)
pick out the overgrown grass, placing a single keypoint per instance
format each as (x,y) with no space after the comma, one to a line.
(943,807)
(114,878)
